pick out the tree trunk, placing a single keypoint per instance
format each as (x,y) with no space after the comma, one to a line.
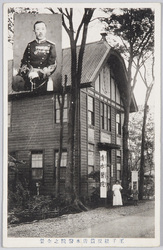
(142,160)
(125,150)
(61,105)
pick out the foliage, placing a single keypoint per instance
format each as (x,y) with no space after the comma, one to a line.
(135,28)
(18,198)
(11,12)
(37,208)
(135,137)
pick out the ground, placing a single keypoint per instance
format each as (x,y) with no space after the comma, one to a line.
(77,225)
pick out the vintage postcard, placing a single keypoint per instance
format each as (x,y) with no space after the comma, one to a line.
(82,126)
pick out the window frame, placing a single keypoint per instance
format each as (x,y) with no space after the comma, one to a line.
(118,124)
(37,152)
(62,178)
(91,149)
(57,110)
(91,112)
(105,114)
(118,162)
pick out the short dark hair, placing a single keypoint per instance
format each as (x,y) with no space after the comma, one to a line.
(37,23)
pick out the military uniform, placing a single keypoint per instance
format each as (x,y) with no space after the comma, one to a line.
(39,55)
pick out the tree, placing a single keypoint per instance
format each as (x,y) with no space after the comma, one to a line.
(149,87)
(11,12)
(135,139)
(135,29)
(74,96)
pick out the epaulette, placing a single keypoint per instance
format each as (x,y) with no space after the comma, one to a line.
(50,42)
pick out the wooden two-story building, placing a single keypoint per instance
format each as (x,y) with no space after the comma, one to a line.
(34,124)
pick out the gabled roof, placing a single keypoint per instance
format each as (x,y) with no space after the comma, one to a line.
(94,55)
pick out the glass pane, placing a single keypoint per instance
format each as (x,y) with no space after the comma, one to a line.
(118,118)
(63,159)
(37,160)
(90,158)
(112,89)
(90,147)
(65,102)
(117,96)
(57,116)
(118,166)
(65,115)
(118,174)
(97,84)
(102,108)
(109,112)
(89,118)
(56,103)
(90,169)
(90,103)
(118,153)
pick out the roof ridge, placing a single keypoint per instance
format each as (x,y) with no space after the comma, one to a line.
(90,43)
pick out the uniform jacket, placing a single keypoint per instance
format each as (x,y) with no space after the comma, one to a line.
(39,55)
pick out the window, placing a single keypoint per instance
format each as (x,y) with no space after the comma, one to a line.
(37,165)
(90,110)
(63,164)
(90,158)
(105,117)
(9,114)
(112,89)
(97,84)
(118,123)
(102,115)
(118,100)
(57,110)
(118,165)
(109,118)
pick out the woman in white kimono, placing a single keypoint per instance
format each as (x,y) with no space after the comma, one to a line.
(117,198)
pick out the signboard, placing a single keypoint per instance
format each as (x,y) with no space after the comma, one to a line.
(37,57)
(103,174)
(134,179)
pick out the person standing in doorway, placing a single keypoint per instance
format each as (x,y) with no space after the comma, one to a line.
(117,197)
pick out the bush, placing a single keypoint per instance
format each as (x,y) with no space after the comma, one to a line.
(37,208)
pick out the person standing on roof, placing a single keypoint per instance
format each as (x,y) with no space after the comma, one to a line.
(39,59)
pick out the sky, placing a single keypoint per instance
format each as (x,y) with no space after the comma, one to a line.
(95,28)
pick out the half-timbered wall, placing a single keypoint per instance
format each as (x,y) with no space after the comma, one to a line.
(105,93)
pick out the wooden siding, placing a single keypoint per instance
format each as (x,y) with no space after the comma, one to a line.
(33,128)
(84,144)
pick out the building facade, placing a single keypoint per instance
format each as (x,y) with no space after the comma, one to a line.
(34,125)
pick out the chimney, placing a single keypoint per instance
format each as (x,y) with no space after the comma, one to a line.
(103,34)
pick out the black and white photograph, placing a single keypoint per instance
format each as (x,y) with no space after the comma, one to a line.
(82,125)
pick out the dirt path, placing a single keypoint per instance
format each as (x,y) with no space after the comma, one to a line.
(71,224)
(140,225)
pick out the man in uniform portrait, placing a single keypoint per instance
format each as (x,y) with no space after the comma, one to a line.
(39,60)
